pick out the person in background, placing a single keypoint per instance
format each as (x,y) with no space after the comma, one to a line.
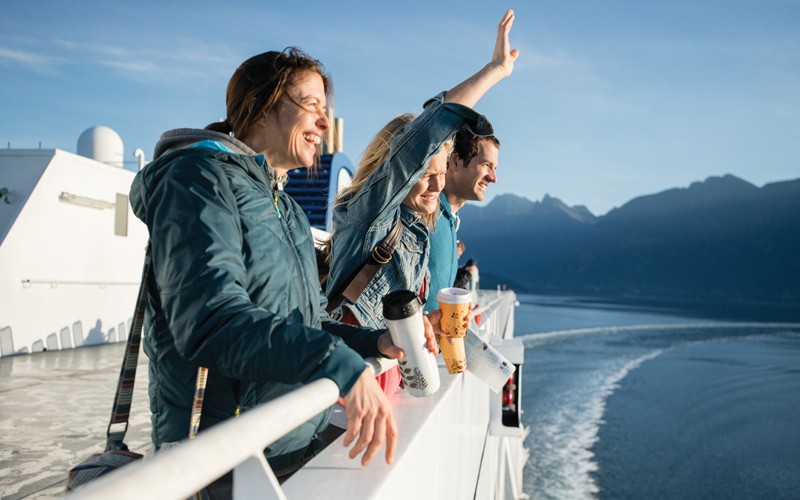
(235,285)
(399,180)
(463,273)
(471,167)
(466,275)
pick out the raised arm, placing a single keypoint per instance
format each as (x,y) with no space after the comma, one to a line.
(472,89)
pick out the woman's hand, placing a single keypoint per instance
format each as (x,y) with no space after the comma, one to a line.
(387,348)
(432,329)
(503,56)
(473,88)
(370,419)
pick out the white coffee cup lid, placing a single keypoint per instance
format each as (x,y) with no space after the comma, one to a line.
(454,296)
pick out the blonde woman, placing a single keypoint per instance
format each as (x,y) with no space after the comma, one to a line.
(400,177)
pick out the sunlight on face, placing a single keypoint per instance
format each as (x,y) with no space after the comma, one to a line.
(424,196)
(469,182)
(294,130)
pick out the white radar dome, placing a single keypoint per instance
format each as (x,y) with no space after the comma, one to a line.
(102,144)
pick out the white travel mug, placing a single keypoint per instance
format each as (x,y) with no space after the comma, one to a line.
(402,311)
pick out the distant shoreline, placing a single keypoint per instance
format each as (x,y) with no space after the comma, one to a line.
(735,308)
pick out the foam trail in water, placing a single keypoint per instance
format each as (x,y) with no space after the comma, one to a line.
(570,433)
(574,372)
(536,339)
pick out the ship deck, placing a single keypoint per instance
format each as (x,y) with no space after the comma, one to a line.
(55,408)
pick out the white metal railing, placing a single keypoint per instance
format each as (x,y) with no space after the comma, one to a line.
(26,283)
(496,314)
(238,443)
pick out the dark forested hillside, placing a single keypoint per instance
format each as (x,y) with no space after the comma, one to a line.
(720,239)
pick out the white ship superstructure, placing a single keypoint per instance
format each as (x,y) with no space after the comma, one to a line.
(71,250)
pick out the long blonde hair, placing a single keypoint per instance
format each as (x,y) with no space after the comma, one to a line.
(375,154)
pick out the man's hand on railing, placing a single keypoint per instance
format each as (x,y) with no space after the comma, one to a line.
(370,418)
(432,331)
(433,322)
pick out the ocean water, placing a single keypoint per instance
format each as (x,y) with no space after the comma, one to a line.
(621,402)
(625,402)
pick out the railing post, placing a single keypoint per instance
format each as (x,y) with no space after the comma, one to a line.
(254,478)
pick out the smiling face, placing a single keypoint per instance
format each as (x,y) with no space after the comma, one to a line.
(469,182)
(424,195)
(290,134)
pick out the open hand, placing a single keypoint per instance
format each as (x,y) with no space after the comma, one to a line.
(503,56)
(473,88)
(370,419)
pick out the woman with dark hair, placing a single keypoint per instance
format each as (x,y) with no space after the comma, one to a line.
(398,181)
(235,285)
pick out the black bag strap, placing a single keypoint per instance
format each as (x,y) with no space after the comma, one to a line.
(381,254)
(120,412)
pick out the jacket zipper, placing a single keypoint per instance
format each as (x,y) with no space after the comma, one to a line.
(298,261)
(277,208)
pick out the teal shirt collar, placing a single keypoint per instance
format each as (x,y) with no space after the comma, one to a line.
(447,210)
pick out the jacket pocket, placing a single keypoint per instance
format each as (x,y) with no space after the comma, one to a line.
(409,256)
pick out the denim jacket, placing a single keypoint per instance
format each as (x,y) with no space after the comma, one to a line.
(364,220)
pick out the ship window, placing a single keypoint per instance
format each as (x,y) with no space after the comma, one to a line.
(6,342)
(77,333)
(121,215)
(52,342)
(66,340)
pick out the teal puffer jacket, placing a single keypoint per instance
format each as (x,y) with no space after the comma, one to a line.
(236,290)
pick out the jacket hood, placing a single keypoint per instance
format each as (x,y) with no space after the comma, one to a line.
(184,137)
(167,149)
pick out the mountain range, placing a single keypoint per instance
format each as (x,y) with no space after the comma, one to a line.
(722,239)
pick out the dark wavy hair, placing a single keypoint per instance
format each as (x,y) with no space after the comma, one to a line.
(466,144)
(258,85)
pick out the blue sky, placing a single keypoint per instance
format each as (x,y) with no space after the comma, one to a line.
(609,99)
